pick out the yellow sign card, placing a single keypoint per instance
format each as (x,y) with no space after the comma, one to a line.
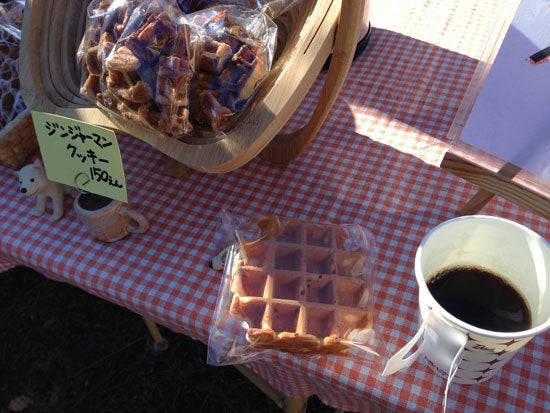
(81,155)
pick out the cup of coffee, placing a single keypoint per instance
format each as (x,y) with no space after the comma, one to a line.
(484,292)
(108,219)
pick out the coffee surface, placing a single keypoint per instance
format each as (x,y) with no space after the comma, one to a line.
(480,298)
(93,202)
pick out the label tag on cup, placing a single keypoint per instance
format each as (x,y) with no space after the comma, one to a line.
(441,344)
(442,347)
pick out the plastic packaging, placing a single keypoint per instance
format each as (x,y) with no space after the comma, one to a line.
(11,20)
(192,6)
(273,8)
(294,286)
(235,56)
(105,23)
(149,69)
(135,61)
(177,72)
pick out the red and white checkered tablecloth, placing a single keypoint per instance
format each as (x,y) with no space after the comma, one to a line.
(399,100)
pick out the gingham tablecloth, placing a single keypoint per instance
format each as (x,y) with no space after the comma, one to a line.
(374,162)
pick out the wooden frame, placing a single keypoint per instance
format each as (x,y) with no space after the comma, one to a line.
(496,177)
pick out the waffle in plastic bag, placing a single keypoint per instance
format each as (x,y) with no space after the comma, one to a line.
(294,286)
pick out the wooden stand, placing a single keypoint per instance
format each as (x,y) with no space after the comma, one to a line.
(50,81)
(500,182)
(284,148)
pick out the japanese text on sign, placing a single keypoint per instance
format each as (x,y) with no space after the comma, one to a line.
(80,155)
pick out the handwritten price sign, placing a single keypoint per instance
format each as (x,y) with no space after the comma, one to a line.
(81,155)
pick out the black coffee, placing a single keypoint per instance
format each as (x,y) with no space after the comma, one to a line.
(480,298)
(93,202)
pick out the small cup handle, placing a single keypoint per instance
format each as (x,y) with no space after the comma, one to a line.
(398,361)
(138,223)
(441,343)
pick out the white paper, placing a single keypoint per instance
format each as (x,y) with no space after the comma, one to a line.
(511,117)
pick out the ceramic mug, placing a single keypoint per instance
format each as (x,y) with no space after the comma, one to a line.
(108,219)
(455,349)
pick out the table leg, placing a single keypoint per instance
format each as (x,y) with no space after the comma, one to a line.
(483,196)
(476,203)
(295,405)
(288,404)
(159,342)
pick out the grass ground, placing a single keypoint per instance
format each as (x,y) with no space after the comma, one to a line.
(63,350)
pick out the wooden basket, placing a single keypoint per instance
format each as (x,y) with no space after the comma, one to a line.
(50,81)
(17,140)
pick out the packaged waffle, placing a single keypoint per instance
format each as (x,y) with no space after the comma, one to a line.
(235,53)
(136,60)
(176,72)
(294,286)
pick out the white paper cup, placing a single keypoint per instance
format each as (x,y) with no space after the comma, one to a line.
(453,348)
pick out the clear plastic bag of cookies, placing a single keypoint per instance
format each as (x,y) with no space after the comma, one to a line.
(235,54)
(11,20)
(136,60)
(294,286)
(149,69)
(106,20)
(182,68)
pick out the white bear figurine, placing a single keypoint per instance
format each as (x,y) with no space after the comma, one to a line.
(33,182)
